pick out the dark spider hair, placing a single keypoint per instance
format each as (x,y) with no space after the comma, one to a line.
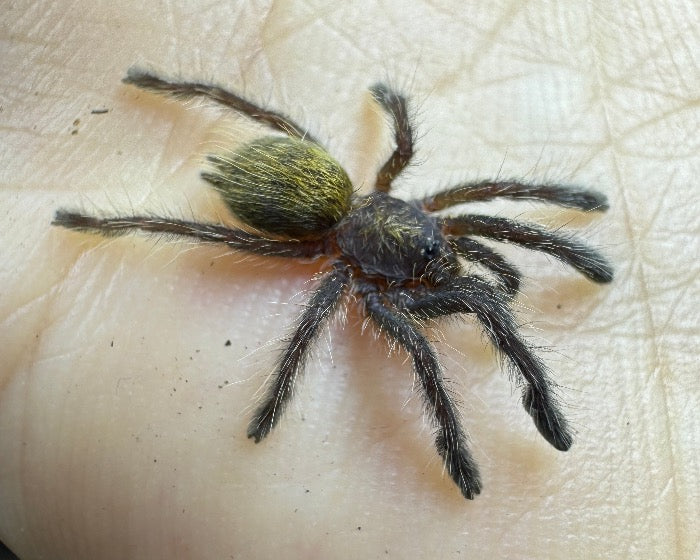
(398,257)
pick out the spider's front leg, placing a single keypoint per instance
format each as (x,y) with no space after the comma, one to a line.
(450,440)
(561,195)
(318,310)
(470,294)
(506,274)
(565,247)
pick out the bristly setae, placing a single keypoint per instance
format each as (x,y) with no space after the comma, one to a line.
(401,261)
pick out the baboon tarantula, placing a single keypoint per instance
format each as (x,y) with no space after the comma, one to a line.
(400,259)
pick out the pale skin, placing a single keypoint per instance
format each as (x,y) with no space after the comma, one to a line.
(123,407)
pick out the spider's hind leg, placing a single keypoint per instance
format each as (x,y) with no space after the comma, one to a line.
(396,106)
(237,239)
(320,307)
(189,90)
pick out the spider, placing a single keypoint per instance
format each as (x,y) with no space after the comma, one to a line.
(402,261)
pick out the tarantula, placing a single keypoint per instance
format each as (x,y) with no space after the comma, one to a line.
(400,259)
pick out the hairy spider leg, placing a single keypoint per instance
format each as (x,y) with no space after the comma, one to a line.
(396,106)
(566,248)
(319,308)
(472,250)
(188,90)
(562,195)
(469,294)
(450,440)
(235,238)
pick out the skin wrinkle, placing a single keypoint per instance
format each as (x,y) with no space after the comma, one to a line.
(653,335)
(631,486)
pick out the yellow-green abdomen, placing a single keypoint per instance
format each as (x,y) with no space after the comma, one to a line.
(282,185)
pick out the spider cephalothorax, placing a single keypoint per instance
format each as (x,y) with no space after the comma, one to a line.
(401,259)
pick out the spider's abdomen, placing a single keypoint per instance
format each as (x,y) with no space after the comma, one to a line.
(282,185)
(390,238)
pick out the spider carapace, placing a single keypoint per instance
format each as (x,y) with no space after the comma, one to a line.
(402,260)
